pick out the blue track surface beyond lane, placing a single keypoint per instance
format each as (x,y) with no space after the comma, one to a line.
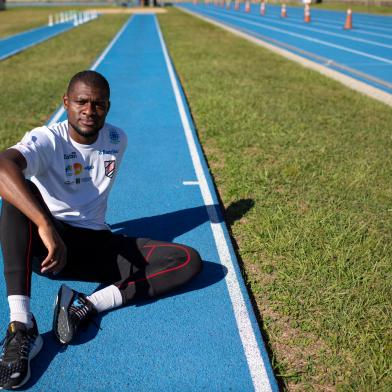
(202,338)
(17,43)
(364,53)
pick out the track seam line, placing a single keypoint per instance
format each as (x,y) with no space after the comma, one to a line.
(257,366)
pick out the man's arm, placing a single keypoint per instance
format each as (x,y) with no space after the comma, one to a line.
(14,189)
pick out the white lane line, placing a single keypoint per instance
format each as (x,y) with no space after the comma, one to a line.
(363,32)
(61,110)
(308,28)
(256,364)
(358,18)
(190,182)
(348,81)
(306,38)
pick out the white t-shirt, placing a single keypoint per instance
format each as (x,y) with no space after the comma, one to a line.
(74,179)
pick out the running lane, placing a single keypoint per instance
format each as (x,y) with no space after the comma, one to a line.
(202,338)
(14,44)
(364,53)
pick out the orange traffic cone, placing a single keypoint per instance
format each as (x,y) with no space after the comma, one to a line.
(247,6)
(283,12)
(262,8)
(307,13)
(349,20)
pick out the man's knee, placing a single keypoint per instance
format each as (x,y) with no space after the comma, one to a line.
(195,264)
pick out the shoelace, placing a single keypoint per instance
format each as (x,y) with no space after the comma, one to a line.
(15,346)
(81,311)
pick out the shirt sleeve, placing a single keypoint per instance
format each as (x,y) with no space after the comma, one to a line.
(124,144)
(38,148)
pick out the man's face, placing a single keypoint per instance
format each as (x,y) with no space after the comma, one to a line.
(87,107)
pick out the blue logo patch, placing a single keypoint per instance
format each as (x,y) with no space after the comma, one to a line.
(114,136)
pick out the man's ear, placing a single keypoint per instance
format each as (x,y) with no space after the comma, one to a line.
(65,101)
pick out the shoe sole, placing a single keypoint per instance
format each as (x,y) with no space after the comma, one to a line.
(61,327)
(39,342)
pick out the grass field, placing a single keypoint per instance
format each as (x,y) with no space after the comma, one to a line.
(308,164)
(16,20)
(303,168)
(33,82)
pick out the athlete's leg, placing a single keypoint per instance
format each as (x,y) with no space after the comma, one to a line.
(158,268)
(141,268)
(20,243)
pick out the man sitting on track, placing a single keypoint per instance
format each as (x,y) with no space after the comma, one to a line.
(55,224)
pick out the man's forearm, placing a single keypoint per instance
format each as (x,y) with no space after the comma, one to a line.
(14,189)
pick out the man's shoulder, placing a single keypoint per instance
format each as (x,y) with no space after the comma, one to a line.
(58,129)
(51,132)
(39,136)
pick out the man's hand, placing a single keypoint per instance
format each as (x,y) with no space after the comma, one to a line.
(57,252)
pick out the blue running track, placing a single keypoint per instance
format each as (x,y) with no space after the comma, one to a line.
(364,53)
(17,43)
(202,338)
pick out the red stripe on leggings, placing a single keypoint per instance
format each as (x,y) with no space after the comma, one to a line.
(28,260)
(150,251)
(185,263)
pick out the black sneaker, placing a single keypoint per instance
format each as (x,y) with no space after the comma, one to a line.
(71,309)
(20,345)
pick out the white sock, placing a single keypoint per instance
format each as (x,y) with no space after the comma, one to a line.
(20,309)
(108,298)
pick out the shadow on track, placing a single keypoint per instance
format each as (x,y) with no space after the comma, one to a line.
(165,227)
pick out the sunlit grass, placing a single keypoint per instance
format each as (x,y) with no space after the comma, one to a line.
(314,159)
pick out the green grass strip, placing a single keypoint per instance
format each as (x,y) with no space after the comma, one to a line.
(34,81)
(16,20)
(303,166)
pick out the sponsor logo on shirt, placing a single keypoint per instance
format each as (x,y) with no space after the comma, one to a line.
(68,171)
(78,168)
(78,180)
(71,155)
(114,136)
(110,166)
(107,152)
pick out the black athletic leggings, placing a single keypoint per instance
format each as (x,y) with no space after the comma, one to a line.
(140,267)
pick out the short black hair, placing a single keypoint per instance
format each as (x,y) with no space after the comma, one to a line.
(91,78)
